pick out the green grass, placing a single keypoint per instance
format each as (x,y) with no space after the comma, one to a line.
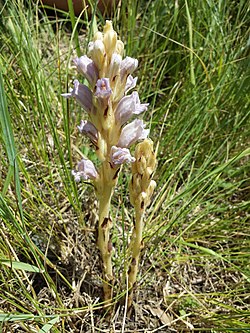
(194,71)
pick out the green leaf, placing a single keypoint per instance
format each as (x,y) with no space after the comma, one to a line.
(20,265)
(15,317)
(6,125)
(8,138)
(27,316)
(7,134)
(49,325)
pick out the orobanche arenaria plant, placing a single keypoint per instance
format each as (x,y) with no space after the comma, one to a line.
(110,105)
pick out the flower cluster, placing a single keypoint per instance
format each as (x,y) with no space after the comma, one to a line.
(142,186)
(141,189)
(108,103)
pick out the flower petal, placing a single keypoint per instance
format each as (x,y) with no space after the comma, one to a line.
(87,68)
(120,156)
(82,94)
(103,89)
(128,106)
(128,66)
(86,170)
(130,83)
(87,128)
(132,132)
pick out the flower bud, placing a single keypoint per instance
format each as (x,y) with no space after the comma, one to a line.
(119,47)
(151,188)
(109,38)
(98,36)
(96,52)
(114,67)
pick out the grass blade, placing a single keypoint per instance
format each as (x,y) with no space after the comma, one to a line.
(6,125)
(7,135)
(47,327)
(20,265)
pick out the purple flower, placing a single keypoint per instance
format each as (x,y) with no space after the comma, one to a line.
(132,132)
(82,94)
(87,68)
(120,156)
(128,66)
(87,128)
(128,106)
(103,89)
(130,83)
(86,170)
(103,92)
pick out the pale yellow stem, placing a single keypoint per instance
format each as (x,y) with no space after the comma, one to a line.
(136,246)
(105,187)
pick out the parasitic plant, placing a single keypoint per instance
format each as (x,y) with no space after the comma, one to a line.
(109,106)
(141,189)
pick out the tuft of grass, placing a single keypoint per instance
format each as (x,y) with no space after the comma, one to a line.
(194,72)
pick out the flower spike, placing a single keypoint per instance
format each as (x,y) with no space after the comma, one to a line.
(110,109)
